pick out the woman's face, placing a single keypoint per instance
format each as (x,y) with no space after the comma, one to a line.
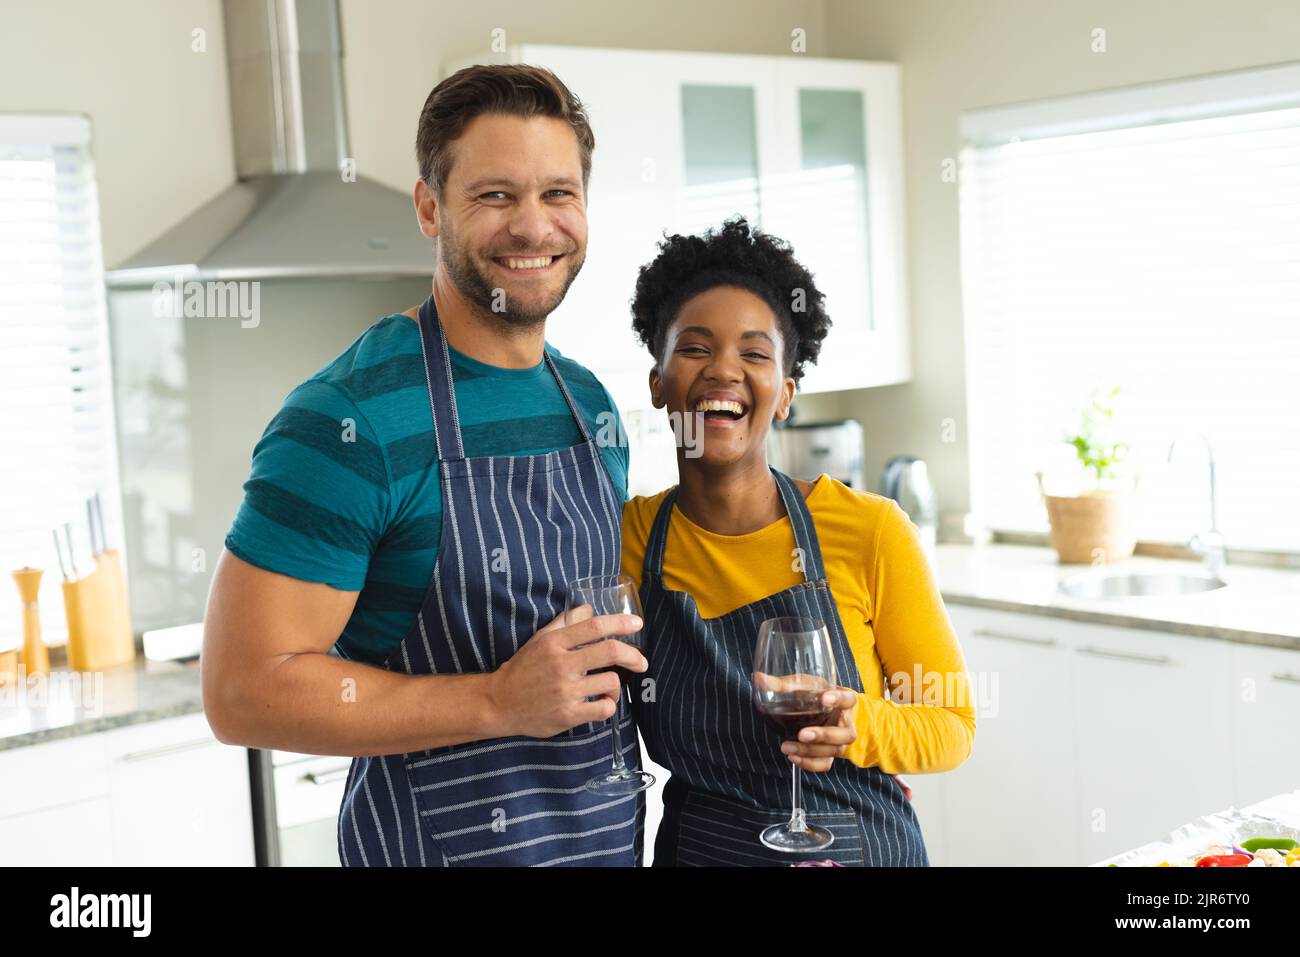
(722,378)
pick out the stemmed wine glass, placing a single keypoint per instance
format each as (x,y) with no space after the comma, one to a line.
(794,665)
(610,595)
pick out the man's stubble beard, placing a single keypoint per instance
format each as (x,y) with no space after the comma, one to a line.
(481,295)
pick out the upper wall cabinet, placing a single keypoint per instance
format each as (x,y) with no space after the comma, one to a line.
(808,149)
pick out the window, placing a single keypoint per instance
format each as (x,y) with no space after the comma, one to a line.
(1151,238)
(58,446)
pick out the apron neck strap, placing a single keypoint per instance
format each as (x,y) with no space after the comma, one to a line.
(442,392)
(805,533)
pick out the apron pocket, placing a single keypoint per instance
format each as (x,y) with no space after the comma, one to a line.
(522,801)
(721,832)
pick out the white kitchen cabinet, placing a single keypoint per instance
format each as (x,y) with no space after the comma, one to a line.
(1107,738)
(54,807)
(1154,747)
(67,835)
(41,776)
(179,796)
(1014,800)
(928,796)
(808,149)
(163,792)
(1265,720)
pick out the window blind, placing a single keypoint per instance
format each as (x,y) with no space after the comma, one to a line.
(1160,254)
(55,384)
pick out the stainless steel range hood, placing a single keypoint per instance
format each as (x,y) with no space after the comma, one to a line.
(293,211)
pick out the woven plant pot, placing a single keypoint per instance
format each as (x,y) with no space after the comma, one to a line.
(1093,529)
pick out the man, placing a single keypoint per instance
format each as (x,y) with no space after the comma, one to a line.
(393,585)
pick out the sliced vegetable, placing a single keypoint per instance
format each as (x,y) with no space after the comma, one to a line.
(1279,843)
(1224,860)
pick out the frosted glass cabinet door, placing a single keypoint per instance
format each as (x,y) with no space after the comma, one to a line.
(729,127)
(720,155)
(834,191)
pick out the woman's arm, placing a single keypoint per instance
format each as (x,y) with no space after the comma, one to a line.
(930,726)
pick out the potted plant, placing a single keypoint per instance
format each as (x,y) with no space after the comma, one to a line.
(1097,525)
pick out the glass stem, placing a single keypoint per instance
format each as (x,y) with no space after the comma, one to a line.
(620,768)
(797,820)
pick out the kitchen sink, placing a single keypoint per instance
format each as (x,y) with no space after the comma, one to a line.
(1092,585)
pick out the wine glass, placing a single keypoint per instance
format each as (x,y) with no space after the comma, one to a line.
(610,595)
(794,666)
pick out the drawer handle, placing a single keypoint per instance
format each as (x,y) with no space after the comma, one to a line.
(1126,656)
(325,777)
(167,749)
(1044,642)
(1292,679)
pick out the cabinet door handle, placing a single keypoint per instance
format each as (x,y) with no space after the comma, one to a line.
(1291,679)
(325,777)
(1023,639)
(167,749)
(1126,656)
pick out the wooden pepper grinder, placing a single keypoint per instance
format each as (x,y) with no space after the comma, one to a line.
(35,655)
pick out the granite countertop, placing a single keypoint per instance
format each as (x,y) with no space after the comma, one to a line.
(1259,606)
(67,704)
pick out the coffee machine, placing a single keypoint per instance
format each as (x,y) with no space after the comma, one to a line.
(806,450)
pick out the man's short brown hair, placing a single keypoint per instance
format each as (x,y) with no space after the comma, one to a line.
(512,90)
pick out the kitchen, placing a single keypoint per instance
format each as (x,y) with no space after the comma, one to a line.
(1121,565)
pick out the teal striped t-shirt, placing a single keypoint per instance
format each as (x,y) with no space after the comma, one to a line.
(344,485)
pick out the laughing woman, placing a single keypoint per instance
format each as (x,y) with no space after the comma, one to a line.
(735,543)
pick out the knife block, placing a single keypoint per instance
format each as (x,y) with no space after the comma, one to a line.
(99,623)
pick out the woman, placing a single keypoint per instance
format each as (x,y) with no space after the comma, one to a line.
(736,542)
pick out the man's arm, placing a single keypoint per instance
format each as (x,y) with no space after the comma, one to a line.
(269,682)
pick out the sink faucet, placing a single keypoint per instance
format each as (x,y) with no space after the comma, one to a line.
(1209,545)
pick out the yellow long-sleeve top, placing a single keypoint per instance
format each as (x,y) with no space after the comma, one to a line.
(888,601)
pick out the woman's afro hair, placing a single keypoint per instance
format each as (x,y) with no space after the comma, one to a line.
(733,255)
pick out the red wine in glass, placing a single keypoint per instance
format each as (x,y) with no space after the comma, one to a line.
(626,678)
(794,665)
(790,713)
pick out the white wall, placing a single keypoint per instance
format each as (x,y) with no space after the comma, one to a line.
(160,113)
(963,54)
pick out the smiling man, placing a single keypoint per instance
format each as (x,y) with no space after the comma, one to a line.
(393,585)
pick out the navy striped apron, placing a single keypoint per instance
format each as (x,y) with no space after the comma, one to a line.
(729,777)
(515,531)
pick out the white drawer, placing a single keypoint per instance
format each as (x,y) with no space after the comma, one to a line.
(41,776)
(310,789)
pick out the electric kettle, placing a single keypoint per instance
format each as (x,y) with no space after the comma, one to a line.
(907,481)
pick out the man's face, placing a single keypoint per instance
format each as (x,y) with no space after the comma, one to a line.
(512,221)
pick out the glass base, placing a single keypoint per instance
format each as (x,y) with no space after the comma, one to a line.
(779,837)
(624,782)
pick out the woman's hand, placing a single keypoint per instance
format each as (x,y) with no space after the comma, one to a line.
(818,747)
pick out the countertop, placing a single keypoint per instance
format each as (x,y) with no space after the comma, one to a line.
(67,704)
(1259,606)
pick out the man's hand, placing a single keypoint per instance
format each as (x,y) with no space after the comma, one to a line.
(543,689)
